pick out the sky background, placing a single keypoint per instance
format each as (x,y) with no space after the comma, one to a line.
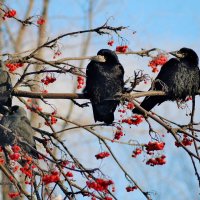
(168,25)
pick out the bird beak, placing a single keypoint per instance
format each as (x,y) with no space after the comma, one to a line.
(177,54)
(98,58)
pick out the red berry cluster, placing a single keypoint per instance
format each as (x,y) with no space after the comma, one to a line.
(111,42)
(48,79)
(136,152)
(105,198)
(14,156)
(27,170)
(189,98)
(134,120)
(156,161)
(13,195)
(9,14)
(81,82)
(154,146)
(160,59)
(57,53)
(102,155)
(2,161)
(130,105)
(99,184)
(13,66)
(69,174)
(52,178)
(122,49)
(118,135)
(52,120)
(131,188)
(41,21)
(185,141)
(16,148)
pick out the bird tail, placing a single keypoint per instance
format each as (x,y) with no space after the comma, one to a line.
(149,103)
(104,112)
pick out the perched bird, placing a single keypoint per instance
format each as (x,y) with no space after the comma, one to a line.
(18,123)
(179,78)
(105,78)
(5,90)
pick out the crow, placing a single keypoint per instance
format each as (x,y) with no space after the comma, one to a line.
(18,123)
(104,79)
(179,78)
(5,90)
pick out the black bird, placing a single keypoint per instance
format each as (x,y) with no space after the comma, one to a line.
(179,78)
(17,122)
(5,90)
(105,78)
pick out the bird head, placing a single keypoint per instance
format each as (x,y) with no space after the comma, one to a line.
(19,110)
(186,54)
(106,55)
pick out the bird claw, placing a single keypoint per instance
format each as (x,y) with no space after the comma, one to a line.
(83,105)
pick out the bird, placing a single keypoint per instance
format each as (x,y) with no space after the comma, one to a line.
(5,90)
(17,122)
(104,79)
(178,77)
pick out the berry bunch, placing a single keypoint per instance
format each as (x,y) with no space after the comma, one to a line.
(69,174)
(111,42)
(52,178)
(48,79)
(185,141)
(52,119)
(81,82)
(154,146)
(102,155)
(160,59)
(99,184)
(13,66)
(9,14)
(156,161)
(131,188)
(13,195)
(41,21)
(122,49)
(134,120)
(136,152)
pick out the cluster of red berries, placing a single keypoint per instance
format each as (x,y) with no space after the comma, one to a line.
(52,178)
(48,79)
(52,120)
(185,141)
(130,105)
(2,161)
(9,14)
(13,195)
(189,98)
(105,198)
(136,152)
(57,53)
(14,156)
(156,161)
(131,188)
(134,120)
(13,66)
(118,135)
(27,170)
(161,59)
(102,155)
(111,42)
(122,49)
(154,146)
(69,174)
(81,82)
(99,184)
(41,21)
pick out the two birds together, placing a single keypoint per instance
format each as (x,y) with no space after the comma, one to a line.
(14,119)
(179,76)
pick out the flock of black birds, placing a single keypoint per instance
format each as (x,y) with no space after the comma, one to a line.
(179,78)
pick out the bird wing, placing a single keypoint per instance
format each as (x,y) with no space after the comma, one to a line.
(166,75)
